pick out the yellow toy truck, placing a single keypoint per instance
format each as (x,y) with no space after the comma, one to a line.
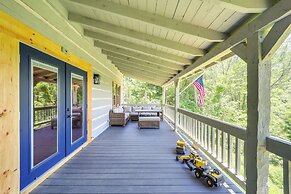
(181,147)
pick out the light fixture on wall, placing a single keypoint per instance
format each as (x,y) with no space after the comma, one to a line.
(96,79)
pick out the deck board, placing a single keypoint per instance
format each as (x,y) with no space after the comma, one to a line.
(129,160)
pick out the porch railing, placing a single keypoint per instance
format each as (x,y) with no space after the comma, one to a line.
(169,113)
(224,143)
(43,115)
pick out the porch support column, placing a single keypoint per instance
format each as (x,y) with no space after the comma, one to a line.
(163,100)
(177,100)
(258,118)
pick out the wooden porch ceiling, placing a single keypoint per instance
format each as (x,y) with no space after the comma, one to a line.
(170,35)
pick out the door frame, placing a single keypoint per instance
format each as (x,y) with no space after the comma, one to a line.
(28,172)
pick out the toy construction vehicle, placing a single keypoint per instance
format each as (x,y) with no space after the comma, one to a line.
(213,177)
(181,147)
(197,163)
(188,158)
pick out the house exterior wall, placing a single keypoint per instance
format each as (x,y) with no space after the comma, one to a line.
(13,32)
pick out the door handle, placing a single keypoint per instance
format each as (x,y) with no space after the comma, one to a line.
(69,116)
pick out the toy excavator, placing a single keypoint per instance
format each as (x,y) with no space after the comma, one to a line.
(181,147)
(188,158)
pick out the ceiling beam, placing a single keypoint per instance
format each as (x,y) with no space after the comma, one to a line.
(157,20)
(279,32)
(147,65)
(117,64)
(169,65)
(136,55)
(143,72)
(246,6)
(169,44)
(279,11)
(136,47)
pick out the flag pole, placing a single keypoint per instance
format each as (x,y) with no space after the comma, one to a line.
(190,84)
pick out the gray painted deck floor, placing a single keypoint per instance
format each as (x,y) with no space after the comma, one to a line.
(129,160)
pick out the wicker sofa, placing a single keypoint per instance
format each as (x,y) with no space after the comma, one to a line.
(118,117)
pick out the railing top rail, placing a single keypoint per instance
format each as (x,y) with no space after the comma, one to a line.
(170,106)
(153,104)
(234,130)
(45,107)
(279,147)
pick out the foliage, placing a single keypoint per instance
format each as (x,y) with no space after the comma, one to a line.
(226,99)
(137,92)
(45,94)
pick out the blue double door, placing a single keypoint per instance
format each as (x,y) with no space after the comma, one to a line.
(53,111)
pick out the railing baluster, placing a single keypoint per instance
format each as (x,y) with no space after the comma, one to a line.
(217,145)
(212,140)
(286,176)
(205,136)
(202,134)
(237,155)
(188,127)
(245,160)
(230,151)
(191,123)
(208,137)
(223,154)
(196,130)
(199,132)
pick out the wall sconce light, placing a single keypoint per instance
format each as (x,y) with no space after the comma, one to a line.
(96,79)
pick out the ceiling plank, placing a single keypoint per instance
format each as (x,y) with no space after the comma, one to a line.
(169,65)
(245,6)
(117,64)
(136,55)
(279,11)
(157,20)
(135,35)
(136,47)
(147,65)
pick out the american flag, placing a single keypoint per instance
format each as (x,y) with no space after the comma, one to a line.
(199,85)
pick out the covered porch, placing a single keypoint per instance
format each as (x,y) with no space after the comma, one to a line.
(81,50)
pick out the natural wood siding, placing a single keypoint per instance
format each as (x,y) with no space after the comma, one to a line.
(9,114)
(12,33)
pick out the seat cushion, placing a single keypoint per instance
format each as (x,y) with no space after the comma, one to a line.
(135,108)
(127,109)
(118,110)
(149,118)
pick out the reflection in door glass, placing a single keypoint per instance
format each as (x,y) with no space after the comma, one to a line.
(45,106)
(77,107)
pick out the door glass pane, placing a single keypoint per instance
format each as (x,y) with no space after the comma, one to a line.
(77,107)
(44,111)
